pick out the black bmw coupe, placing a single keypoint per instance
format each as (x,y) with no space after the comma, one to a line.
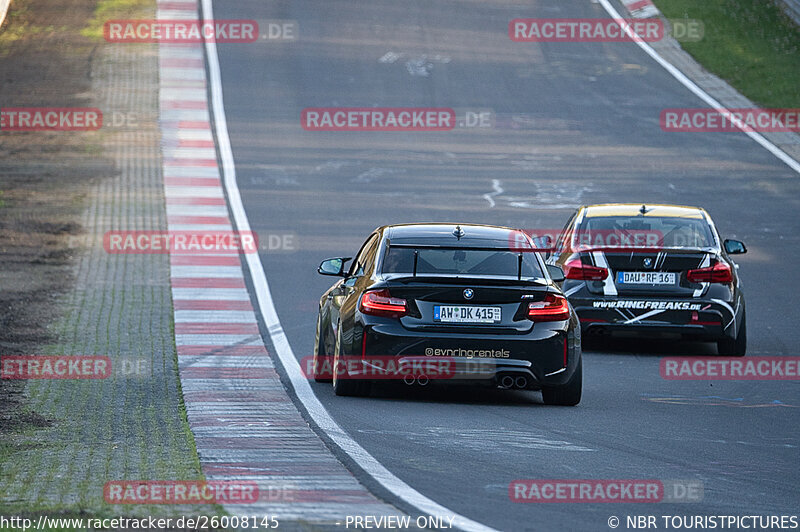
(448,303)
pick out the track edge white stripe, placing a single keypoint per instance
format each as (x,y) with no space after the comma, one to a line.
(700,93)
(266,307)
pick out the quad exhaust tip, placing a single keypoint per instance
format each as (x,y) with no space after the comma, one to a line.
(422,380)
(508,382)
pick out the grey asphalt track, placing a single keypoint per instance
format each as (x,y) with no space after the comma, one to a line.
(586,131)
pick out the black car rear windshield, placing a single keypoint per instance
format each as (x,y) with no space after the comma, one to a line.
(641,231)
(468,262)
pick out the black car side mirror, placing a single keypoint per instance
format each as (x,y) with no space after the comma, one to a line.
(333,266)
(734,247)
(556,273)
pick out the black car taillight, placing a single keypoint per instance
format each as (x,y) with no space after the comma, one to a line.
(553,308)
(381,303)
(579,271)
(718,273)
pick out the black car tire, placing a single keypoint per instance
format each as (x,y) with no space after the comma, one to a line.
(348,386)
(735,347)
(567,395)
(320,353)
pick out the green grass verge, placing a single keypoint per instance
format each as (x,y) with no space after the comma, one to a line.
(17,26)
(751,44)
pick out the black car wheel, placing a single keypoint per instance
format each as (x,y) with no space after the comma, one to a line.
(346,386)
(321,361)
(567,395)
(736,347)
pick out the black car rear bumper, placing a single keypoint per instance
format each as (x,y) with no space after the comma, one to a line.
(545,356)
(701,319)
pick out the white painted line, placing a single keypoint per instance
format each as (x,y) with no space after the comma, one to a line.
(194,134)
(497,191)
(207,271)
(700,93)
(215,316)
(179,51)
(222,361)
(192,192)
(222,340)
(197,210)
(284,351)
(175,14)
(201,227)
(178,253)
(183,94)
(191,153)
(183,114)
(4,5)
(213,294)
(192,171)
(178,83)
(183,74)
